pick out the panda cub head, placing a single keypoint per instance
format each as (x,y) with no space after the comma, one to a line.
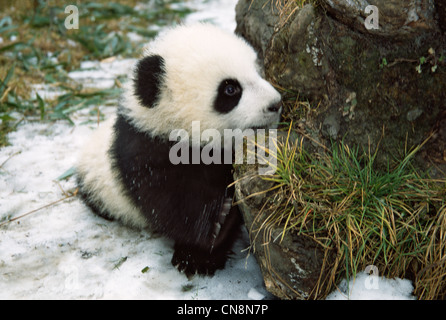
(200,73)
(188,74)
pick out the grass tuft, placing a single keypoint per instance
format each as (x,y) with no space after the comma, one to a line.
(394,220)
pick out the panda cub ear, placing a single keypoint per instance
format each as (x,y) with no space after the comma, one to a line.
(148,78)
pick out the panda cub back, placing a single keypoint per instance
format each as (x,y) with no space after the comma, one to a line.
(189,74)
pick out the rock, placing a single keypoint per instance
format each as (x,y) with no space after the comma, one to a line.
(396,18)
(441,10)
(331,125)
(257,26)
(295,56)
(374,88)
(397,73)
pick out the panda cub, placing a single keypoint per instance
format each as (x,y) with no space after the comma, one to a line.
(189,73)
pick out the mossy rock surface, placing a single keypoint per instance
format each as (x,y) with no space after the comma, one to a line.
(384,87)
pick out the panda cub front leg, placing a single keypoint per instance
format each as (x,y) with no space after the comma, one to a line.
(192,260)
(198,259)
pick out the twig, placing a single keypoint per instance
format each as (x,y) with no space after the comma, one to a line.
(401,60)
(9,158)
(38,209)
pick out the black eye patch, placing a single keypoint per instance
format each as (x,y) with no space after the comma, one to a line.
(229,93)
(149,74)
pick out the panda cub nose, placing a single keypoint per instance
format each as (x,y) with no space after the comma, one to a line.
(275,107)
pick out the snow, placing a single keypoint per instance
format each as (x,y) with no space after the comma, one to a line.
(373,287)
(101,74)
(219,12)
(60,250)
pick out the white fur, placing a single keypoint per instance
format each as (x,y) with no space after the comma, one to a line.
(95,167)
(197,58)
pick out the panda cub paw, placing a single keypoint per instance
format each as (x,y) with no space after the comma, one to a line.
(193,261)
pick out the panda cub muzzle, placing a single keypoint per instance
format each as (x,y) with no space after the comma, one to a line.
(188,74)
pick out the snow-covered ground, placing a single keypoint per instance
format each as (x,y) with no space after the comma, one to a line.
(63,251)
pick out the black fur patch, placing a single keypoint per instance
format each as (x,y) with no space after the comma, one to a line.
(228,96)
(182,202)
(149,74)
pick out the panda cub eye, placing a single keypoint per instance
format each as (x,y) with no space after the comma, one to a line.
(231,90)
(229,93)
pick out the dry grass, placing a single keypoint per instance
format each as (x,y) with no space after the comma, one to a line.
(287,8)
(394,220)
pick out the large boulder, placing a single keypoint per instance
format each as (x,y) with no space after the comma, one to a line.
(378,79)
(374,87)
